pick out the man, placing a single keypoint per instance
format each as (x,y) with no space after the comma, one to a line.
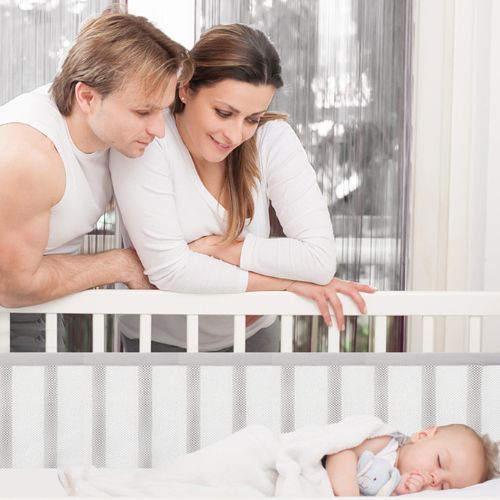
(54,180)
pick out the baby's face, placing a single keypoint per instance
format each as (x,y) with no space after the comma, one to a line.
(442,458)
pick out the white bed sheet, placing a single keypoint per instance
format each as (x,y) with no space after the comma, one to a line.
(15,483)
(488,489)
(44,483)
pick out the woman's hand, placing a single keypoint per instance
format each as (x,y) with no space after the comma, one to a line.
(205,244)
(325,295)
(213,246)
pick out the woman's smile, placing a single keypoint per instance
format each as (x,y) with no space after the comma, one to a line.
(223,147)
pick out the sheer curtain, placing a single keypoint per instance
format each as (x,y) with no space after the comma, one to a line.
(346,65)
(347,71)
(34,37)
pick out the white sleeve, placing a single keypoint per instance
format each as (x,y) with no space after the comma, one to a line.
(145,195)
(308,251)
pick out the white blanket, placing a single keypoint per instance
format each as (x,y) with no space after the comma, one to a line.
(252,462)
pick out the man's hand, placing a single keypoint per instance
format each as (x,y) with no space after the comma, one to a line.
(136,279)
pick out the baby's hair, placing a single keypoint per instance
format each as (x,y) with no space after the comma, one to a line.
(491,451)
(492,456)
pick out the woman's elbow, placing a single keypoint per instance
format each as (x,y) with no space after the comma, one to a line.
(165,279)
(324,267)
(325,274)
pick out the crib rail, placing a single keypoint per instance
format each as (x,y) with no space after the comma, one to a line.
(428,305)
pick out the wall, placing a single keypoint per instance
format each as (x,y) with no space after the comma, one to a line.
(456,178)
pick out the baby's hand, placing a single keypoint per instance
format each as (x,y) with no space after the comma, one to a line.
(411,482)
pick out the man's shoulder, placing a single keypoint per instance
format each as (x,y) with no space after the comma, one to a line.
(30,157)
(20,139)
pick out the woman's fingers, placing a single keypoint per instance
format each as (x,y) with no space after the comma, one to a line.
(362,287)
(324,309)
(326,296)
(338,310)
(348,288)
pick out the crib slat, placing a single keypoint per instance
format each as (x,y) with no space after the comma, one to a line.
(51,332)
(145,333)
(475,333)
(4,332)
(98,341)
(333,338)
(286,333)
(314,333)
(239,333)
(428,334)
(192,333)
(380,334)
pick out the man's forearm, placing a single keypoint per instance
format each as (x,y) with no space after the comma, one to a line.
(59,275)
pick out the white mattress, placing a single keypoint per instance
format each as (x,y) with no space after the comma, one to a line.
(30,483)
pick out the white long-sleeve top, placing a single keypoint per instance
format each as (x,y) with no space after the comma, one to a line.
(164,205)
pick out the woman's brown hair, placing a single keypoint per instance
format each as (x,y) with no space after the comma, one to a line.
(236,52)
(114,48)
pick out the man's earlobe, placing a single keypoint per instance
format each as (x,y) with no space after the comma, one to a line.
(84,97)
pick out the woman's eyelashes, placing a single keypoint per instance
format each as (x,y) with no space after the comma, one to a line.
(253,120)
(142,113)
(223,114)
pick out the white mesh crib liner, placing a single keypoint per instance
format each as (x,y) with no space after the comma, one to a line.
(135,410)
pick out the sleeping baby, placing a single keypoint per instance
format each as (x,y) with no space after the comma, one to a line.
(450,456)
(362,455)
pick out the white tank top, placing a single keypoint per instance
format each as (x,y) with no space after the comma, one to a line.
(88,183)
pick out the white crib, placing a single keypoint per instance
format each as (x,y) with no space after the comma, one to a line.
(60,408)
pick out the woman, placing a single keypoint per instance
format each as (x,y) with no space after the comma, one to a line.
(196,205)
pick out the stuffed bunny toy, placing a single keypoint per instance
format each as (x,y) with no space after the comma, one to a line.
(375,475)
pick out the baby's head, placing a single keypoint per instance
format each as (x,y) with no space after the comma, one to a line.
(451,456)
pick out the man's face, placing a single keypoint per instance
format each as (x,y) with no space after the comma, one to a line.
(444,457)
(129,119)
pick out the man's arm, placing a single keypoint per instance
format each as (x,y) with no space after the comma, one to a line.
(32,181)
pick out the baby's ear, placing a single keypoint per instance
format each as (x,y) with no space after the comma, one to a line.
(424,434)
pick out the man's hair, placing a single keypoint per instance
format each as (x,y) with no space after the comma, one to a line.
(490,449)
(113,49)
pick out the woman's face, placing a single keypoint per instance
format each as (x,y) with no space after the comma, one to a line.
(218,118)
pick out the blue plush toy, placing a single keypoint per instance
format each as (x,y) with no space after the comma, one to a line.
(376,476)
